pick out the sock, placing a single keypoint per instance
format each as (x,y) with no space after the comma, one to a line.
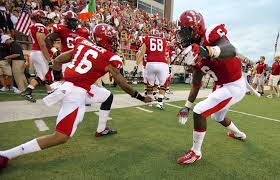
(26,148)
(103,117)
(233,128)
(160,98)
(197,141)
(31,87)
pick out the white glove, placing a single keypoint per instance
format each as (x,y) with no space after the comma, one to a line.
(189,57)
(183,115)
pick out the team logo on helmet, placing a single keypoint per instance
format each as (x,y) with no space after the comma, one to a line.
(106,36)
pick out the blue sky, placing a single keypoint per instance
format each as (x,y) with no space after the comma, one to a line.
(252,24)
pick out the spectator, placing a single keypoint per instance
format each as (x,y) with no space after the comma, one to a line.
(16,58)
(14,17)
(5,68)
(259,78)
(55,13)
(5,19)
(274,77)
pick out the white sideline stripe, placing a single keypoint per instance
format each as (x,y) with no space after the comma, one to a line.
(173,105)
(262,117)
(97,113)
(239,112)
(146,110)
(41,125)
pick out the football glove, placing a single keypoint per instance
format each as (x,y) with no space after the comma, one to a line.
(55,52)
(195,53)
(183,115)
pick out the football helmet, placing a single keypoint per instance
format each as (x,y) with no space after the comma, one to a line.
(192,28)
(106,36)
(40,16)
(71,20)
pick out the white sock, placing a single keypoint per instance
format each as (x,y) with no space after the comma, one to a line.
(197,141)
(233,128)
(26,148)
(30,86)
(103,117)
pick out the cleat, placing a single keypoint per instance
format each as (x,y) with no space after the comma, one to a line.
(29,98)
(241,136)
(269,96)
(107,131)
(3,162)
(189,158)
(159,106)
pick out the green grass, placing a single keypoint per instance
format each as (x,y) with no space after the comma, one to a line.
(40,93)
(148,145)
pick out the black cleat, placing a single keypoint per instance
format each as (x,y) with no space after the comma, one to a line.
(29,98)
(107,131)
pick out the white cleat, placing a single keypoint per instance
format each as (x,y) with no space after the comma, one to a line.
(239,136)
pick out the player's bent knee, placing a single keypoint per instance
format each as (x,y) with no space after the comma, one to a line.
(106,105)
(60,138)
(197,109)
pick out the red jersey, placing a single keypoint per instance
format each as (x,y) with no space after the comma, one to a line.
(275,70)
(155,49)
(222,71)
(260,68)
(34,28)
(67,35)
(88,63)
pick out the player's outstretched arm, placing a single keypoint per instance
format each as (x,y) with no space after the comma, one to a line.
(227,50)
(61,59)
(41,40)
(140,54)
(119,79)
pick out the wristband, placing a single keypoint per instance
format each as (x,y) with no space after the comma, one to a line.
(138,96)
(54,50)
(214,51)
(188,104)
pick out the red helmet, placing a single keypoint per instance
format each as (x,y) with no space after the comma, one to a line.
(106,36)
(71,20)
(192,26)
(39,16)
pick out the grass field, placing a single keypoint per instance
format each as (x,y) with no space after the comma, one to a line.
(39,92)
(148,145)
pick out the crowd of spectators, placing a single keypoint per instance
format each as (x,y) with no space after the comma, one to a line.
(131,23)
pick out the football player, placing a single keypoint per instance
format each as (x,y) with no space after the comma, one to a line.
(208,51)
(156,67)
(88,63)
(39,55)
(67,32)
